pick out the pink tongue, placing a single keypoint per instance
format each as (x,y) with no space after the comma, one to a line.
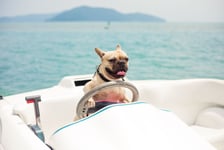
(121,73)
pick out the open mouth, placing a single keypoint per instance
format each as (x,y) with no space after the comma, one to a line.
(118,73)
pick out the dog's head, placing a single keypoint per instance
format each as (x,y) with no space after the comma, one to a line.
(114,64)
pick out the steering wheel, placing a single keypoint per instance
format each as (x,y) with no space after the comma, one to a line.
(82,109)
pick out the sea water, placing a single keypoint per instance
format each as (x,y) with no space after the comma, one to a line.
(39,55)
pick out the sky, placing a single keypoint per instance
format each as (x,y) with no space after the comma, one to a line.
(171,10)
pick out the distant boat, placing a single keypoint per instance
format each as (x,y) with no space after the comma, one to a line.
(107,26)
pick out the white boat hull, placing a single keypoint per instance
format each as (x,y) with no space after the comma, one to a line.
(193,104)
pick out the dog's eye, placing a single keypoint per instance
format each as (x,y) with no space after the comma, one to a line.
(112,60)
(126,59)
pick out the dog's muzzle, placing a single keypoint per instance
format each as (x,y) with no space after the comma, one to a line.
(119,71)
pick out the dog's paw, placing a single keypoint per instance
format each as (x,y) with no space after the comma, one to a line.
(90,103)
(126,100)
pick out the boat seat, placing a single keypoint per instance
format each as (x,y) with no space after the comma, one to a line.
(214,136)
(210,124)
(53,114)
(197,102)
(132,126)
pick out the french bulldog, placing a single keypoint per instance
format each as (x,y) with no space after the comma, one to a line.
(114,66)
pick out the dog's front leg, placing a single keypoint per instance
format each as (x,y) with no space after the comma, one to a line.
(90,103)
(126,100)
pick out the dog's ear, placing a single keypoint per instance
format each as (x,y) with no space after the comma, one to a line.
(100,52)
(118,47)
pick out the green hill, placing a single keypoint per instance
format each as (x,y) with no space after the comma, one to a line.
(85,13)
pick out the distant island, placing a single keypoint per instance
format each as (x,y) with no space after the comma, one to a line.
(86,13)
(28,18)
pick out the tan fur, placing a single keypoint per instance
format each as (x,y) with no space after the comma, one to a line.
(111,60)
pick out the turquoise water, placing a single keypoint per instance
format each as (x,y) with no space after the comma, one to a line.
(38,55)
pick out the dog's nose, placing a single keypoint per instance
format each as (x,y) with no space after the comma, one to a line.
(121,62)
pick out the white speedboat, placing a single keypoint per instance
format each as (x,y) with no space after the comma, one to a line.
(169,114)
